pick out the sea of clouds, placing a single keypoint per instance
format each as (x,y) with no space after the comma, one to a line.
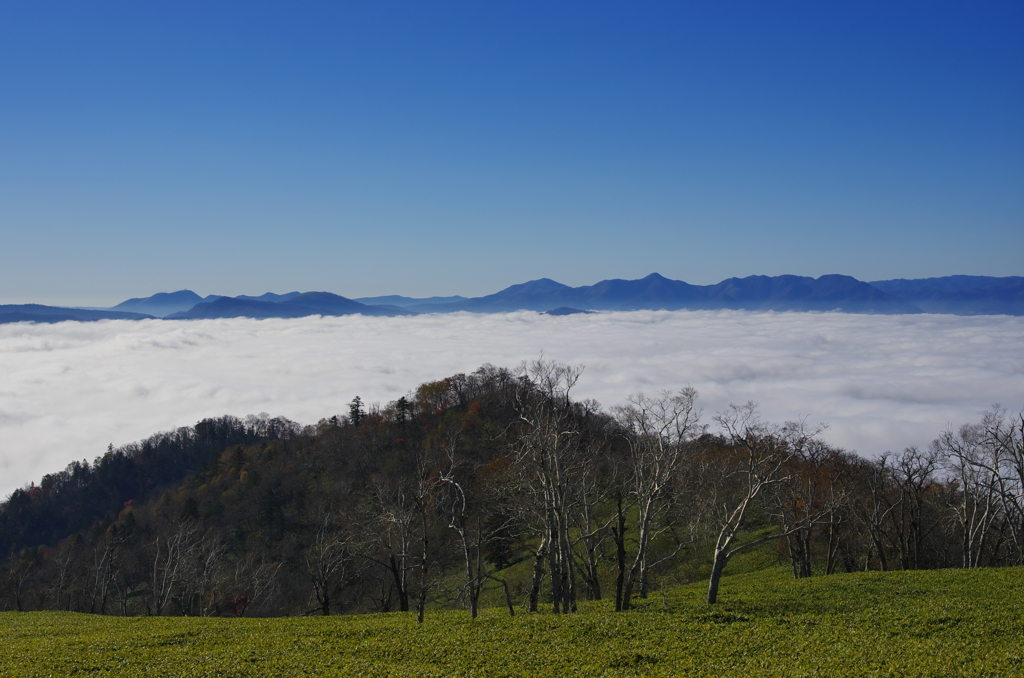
(880,382)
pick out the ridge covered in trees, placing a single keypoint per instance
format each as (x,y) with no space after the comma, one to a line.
(496,487)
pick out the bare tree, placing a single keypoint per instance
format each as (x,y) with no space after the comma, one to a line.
(423,502)
(394,521)
(810,490)
(62,562)
(329,562)
(201,572)
(545,446)
(753,460)
(913,472)
(473,533)
(20,569)
(131,567)
(619,528)
(255,579)
(592,518)
(659,431)
(843,533)
(1005,436)
(973,461)
(987,460)
(466,523)
(875,498)
(168,556)
(101,570)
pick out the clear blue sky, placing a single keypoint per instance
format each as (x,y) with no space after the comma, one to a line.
(457,148)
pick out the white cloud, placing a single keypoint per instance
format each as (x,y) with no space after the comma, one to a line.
(881,382)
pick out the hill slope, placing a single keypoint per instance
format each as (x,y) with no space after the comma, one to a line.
(949,622)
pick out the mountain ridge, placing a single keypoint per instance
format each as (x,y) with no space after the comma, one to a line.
(163,304)
(298,306)
(656,292)
(10,313)
(961,294)
(957,295)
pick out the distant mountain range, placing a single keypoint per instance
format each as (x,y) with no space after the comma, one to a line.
(756,293)
(292,306)
(405,302)
(958,294)
(13,313)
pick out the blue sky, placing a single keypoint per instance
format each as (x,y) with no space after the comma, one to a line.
(457,148)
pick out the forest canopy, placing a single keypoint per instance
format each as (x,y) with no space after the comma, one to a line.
(496,487)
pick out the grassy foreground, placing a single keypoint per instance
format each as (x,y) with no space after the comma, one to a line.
(940,623)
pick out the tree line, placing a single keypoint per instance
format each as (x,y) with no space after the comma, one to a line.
(496,487)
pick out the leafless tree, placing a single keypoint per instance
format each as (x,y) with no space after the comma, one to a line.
(973,462)
(659,431)
(754,459)
(987,460)
(1005,435)
(19,570)
(255,579)
(545,446)
(394,521)
(132,569)
(329,561)
(62,561)
(168,556)
(811,490)
(201,572)
(473,534)
(423,502)
(913,473)
(593,518)
(874,500)
(101,570)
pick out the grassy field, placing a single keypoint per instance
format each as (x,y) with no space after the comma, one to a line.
(940,623)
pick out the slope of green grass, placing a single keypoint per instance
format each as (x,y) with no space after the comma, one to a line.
(940,623)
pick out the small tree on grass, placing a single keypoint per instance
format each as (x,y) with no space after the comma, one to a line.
(752,459)
(330,562)
(659,431)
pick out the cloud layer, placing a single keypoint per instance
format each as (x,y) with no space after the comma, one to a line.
(880,382)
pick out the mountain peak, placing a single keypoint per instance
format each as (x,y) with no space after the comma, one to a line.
(541,286)
(162,303)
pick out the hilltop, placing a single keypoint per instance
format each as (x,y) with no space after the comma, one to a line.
(492,488)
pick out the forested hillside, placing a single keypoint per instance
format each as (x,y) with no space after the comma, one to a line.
(495,487)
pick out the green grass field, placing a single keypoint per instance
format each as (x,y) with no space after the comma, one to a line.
(939,623)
